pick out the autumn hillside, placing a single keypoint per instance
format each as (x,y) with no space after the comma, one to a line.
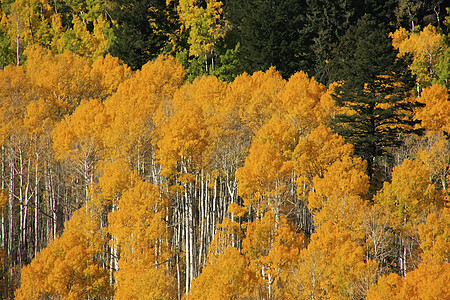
(201,150)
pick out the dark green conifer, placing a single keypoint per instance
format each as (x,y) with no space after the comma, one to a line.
(375,90)
(142,30)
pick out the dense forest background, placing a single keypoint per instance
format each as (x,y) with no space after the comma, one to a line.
(224,149)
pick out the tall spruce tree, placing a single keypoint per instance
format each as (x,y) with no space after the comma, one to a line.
(374,90)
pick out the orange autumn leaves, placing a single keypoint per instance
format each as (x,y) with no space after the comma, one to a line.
(141,139)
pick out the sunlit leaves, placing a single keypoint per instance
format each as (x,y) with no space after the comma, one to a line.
(224,277)
(434,114)
(410,195)
(435,237)
(139,104)
(262,177)
(205,24)
(315,153)
(332,266)
(273,247)
(339,196)
(139,230)
(425,47)
(68,268)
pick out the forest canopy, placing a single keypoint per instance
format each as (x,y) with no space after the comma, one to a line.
(203,149)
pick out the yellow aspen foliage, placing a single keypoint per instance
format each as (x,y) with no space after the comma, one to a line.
(139,105)
(109,73)
(38,117)
(15,92)
(77,139)
(140,232)
(208,93)
(205,24)
(388,287)
(68,268)
(261,181)
(228,232)
(332,266)
(425,48)
(35,22)
(63,79)
(185,139)
(428,281)
(198,126)
(272,245)
(224,277)
(280,133)
(81,41)
(304,102)
(115,180)
(29,22)
(79,136)
(435,114)
(338,196)
(436,157)
(237,210)
(255,97)
(315,153)
(435,237)
(410,196)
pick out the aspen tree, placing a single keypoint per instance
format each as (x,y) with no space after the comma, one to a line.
(68,267)
(426,48)
(141,235)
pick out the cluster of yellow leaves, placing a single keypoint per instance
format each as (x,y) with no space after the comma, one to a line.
(138,228)
(273,246)
(79,135)
(429,280)
(410,196)
(339,196)
(15,94)
(262,177)
(425,48)
(289,121)
(315,153)
(224,277)
(114,181)
(67,268)
(81,41)
(205,25)
(141,104)
(305,103)
(332,266)
(435,237)
(35,22)
(435,114)
(262,269)
(255,97)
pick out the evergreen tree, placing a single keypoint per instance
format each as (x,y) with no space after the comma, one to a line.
(328,21)
(270,33)
(142,31)
(374,93)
